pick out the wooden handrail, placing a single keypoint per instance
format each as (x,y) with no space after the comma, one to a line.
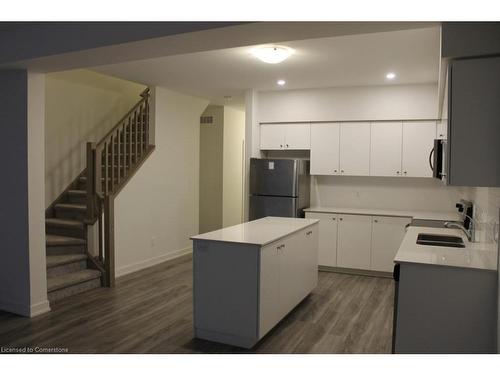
(145,96)
(111,162)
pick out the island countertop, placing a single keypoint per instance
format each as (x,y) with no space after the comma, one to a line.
(258,232)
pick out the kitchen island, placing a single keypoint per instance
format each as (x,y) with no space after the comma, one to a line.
(247,277)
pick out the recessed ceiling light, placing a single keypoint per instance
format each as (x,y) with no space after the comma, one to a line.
(390,75)
(281,82)
(272,54)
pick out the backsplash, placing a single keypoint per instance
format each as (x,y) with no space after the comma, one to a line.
(421,194)
(486,216)
(409,194)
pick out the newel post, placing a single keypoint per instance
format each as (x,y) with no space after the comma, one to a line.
(109,239)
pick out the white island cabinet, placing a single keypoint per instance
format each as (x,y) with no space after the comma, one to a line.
(247,277)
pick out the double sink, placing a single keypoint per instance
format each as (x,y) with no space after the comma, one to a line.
(436,239)
(440,240)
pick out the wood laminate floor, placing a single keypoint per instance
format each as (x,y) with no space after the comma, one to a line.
(150,311)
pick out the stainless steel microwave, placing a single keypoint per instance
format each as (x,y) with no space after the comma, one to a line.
(437,159)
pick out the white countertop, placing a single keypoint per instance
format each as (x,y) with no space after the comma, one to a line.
(427,215)
(474,255)
(258,232)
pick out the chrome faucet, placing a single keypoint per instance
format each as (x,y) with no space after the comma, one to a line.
(469,232)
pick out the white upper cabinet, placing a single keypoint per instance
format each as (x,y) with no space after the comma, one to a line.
(355,148)
(385,154)
(418,141)
(297,136)
(392,148)
(442,129)
(272,137)
(325,142)
(285,136)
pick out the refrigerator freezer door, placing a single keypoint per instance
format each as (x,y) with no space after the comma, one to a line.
(278,177)
(262,206)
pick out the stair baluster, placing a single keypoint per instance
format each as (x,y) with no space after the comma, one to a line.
(125,147)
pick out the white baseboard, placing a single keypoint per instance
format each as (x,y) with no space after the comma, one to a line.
(40,308)
(125,270)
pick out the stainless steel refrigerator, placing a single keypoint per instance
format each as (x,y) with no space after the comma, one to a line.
(279,187)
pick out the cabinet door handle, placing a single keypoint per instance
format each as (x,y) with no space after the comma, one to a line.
(404,172)
(375,221)
(287,146)
(333,219)
(335,170)
(341,171)
(397,172)
(341,219)
(308,233)
(281,146)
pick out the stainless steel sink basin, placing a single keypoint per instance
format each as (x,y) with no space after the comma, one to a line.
(439,240)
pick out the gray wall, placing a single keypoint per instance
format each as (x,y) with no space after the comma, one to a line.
(461,39)
(14,230)
(37,39)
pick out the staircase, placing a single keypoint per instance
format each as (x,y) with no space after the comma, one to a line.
(71,267)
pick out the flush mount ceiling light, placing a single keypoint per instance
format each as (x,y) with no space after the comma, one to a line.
(390,75)
(272,54)
(281,82)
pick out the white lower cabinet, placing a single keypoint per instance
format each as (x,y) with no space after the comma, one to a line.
(354,240)
(288,273)
(362,242)
(387,235)
(327,248)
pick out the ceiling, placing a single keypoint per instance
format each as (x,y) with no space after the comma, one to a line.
(349,60)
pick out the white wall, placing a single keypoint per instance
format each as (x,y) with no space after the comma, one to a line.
(211,169)
(158,209)
(81,106)
(252,140)
(233,169)
(392,102)
(36,194)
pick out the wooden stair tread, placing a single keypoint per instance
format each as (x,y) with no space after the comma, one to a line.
(59,260)
(77,192)
(64,222)
(56,240)
(70,279)
(71,206)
